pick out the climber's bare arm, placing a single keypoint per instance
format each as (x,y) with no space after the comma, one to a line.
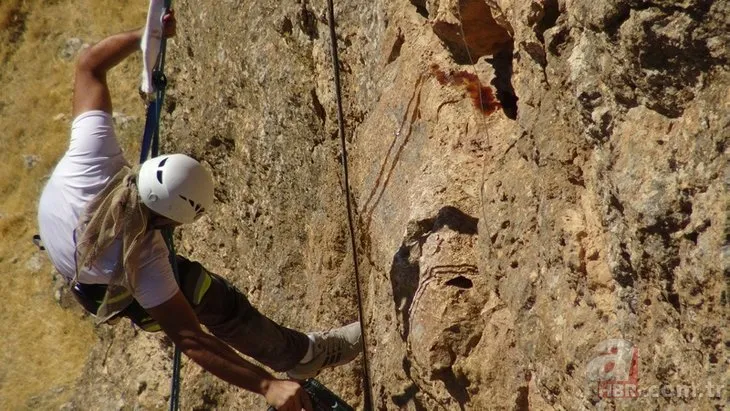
(90,87)
(178,320)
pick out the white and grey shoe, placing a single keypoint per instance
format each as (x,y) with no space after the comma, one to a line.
(330,349)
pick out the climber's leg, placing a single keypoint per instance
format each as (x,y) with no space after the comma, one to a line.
(228,314)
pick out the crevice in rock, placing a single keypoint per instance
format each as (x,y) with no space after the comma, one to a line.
(502,82)
(559,41)
(614,202)
(614,22)
(664,228)
(694,234)
(522,402)
(671,293)
(170,104)
(478,34)
(552,12)
(141,387)
(482,97)
(420,7)
(308,22)
(624,274)
(397,45)
(404,276)
(668,275)
(530,302)
(317,106)
(455,385)
(460,282)
(456,220)
(668,224)
(285,26)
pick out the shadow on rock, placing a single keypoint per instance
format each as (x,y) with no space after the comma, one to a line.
(437,296)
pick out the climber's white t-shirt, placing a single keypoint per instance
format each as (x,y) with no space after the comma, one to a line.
(92,159)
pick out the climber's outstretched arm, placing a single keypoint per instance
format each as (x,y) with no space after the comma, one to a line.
(179,322)
(90,88)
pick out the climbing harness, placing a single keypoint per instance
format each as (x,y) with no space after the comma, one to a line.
(341,131)
(150,149)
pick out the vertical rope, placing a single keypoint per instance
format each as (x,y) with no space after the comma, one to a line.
(350,220)
(175,383)
(161,83)
(150,148)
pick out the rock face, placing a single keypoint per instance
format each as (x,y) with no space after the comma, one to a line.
(539,188)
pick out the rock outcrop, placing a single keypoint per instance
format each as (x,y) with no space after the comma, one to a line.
(536,183)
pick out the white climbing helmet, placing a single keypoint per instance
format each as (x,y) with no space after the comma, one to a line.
(175,186)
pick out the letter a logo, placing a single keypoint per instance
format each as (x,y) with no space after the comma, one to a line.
(615,368)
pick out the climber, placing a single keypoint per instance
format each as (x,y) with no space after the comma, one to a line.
(100,221)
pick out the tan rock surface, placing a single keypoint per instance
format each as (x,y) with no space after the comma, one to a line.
(497,251)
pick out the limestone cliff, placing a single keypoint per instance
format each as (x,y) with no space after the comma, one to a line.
(530,179)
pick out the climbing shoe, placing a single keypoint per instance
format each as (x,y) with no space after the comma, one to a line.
(330,349)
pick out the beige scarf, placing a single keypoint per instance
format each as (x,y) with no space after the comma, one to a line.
(116,213)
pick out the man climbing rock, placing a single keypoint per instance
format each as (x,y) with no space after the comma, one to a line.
(100,221)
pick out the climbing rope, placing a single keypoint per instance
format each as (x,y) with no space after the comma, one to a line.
(350,220)
(150,149)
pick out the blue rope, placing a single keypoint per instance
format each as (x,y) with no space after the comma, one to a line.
(150,148)
(151,128)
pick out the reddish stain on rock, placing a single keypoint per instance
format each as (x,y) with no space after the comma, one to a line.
(482,97)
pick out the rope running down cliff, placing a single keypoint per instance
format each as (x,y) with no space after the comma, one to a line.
(150,148)
(341,131)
